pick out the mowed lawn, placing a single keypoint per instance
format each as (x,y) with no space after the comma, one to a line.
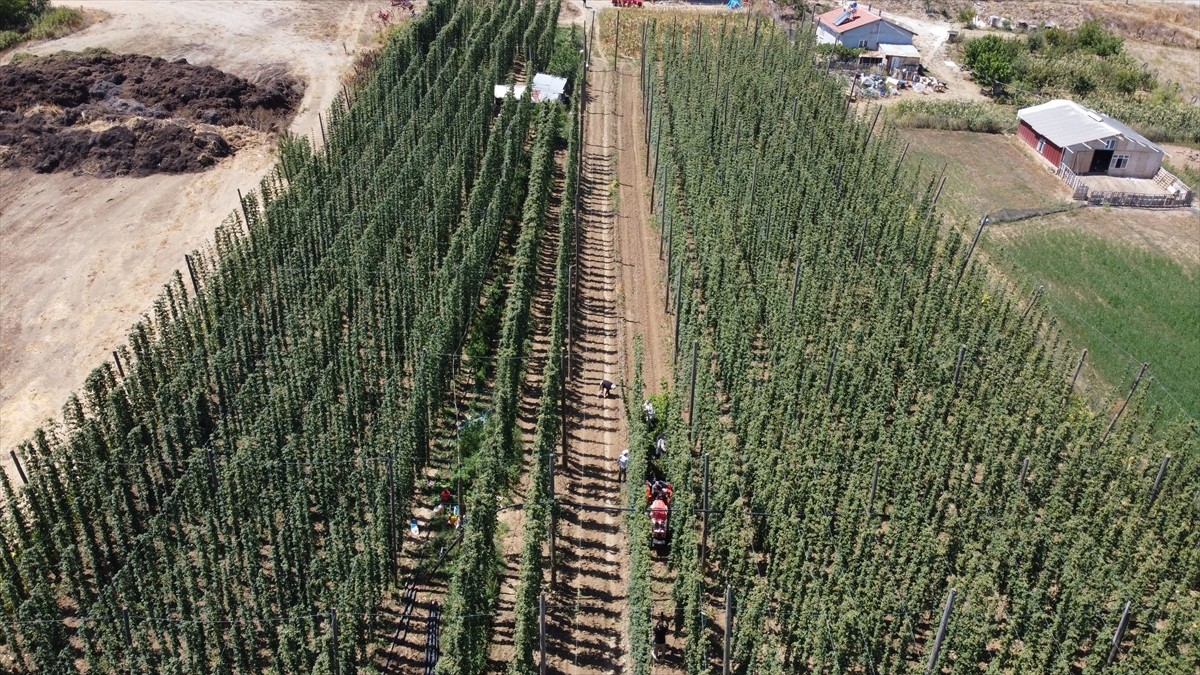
(985,173)
(1125,303)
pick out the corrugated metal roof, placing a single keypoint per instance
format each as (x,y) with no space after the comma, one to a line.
(1066,123)
(546,89)
(549,87)
(899,50)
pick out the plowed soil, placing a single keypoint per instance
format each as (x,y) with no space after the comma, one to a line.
(82,257)
(128,114)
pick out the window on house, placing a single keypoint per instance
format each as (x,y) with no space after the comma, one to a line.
(862,44)
(1120,161)
(1110,144)
(1041,144)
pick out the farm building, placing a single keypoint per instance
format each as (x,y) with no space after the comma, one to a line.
(1069,135)
(856,28)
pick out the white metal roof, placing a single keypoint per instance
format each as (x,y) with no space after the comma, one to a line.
(546,88)
(1066,123)
(899,50)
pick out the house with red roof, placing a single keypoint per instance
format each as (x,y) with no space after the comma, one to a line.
(857,28)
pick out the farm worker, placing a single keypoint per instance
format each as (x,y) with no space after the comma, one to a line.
(446,495)
(658,511)
(648,411)
(622,464)
(452,520)
(606,388)
(660,637)
(414,528)
(660,446)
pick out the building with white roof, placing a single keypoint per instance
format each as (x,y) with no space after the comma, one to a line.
(1069,135)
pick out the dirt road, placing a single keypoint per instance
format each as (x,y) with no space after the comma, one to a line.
(82,258)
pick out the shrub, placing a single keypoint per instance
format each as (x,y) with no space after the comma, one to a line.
(9,38)
(951,116)
(55,23)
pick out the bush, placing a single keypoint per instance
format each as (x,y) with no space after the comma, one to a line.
(19,15)
(9,38)
(952,116)
(566,57)
(55,23)
(966,16)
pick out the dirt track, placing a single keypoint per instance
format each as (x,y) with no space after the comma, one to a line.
(82,258)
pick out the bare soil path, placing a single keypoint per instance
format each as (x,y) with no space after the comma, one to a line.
(587,618)
(81,258)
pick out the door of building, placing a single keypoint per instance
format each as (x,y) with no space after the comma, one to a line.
(1100,161)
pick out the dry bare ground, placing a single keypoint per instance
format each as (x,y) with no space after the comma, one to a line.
(82,258)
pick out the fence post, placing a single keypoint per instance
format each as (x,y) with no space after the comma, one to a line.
(117,360)
(1024,471)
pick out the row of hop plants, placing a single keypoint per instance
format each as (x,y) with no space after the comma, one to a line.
(839,330)
(275,401)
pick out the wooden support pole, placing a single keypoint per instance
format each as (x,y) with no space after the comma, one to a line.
(126,628)
(728,628)
(1118,635)
(970,250)
(1033,298)
(321,122)
(187,260)
(117,360)
(1162,472)
(553,544)
(704,518)
(796,279)
(391,478)
(1078,367)
(562,412)
(874,484)
(678,314)
(333,641)
(941,633)
(692,390)
(245,211)
(542,634)
(17,464)
(829,374)
(1024,473)
(1113,422)
(617,43)
(962,351)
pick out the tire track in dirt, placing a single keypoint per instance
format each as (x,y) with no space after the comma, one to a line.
(643,288)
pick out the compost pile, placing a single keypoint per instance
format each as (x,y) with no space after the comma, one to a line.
(127,114)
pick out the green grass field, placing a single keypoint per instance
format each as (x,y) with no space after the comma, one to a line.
(1125,305)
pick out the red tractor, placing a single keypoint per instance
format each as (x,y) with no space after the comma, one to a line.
(659,494)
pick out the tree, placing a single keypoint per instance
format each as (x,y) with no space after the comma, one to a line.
(20,14)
